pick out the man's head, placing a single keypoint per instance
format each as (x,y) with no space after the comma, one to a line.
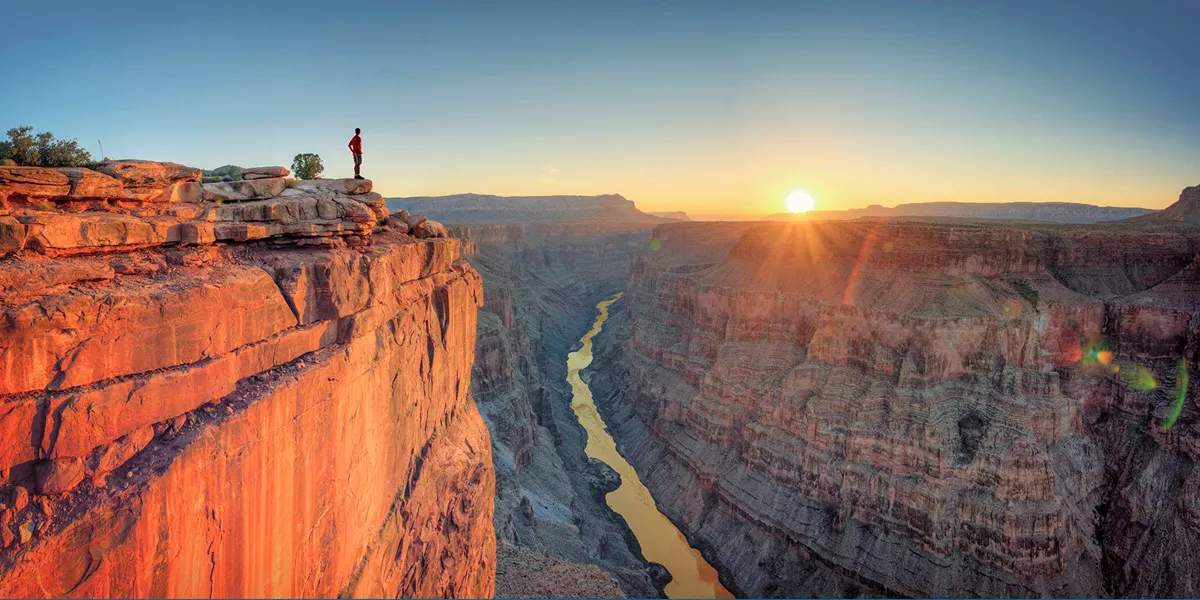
(357,131)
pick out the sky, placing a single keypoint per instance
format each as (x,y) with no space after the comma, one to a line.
(708,107)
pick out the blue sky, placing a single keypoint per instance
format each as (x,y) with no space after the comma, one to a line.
(706,107)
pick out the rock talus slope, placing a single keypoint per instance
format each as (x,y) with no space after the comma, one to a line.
(915,408)
(252,388)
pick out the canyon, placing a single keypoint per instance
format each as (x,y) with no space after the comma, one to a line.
(271,387)
(246,388)
(910,407)
(545,263)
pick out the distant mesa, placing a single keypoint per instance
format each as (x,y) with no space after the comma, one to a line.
(483,209)
(1052,212)
(676,215)
(1186,210)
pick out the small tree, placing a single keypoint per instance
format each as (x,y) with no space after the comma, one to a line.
(307,166)
(41,150)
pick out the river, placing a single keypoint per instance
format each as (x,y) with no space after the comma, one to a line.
(661,541)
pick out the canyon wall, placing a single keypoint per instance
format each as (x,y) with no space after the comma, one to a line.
(542,277)
(917,408)
(241,389)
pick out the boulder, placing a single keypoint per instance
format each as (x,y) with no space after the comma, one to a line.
(113,455)
(6,537)
(397,223)
(25,530)
(430,229)
(413,220)
(20,498)
(33,182)
(12,235)
(359,213)
(265,172)
(150,181)
(59,475)
(235,191)
(86,183)
(376,203)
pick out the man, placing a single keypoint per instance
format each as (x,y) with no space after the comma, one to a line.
(356,151)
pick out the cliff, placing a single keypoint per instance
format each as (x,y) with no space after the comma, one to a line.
(916,408)
(251,388)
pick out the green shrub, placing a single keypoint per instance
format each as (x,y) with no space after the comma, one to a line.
(307,166)
(1028,293)
(226,173)
(25,149)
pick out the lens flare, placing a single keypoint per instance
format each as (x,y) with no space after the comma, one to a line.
(655,245)
(868,244)
(1181,385)
(1137,377)
(1011,308)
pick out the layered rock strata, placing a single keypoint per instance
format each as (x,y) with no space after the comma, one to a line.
(258,389)
(915,408)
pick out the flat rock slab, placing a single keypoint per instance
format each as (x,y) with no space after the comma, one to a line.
(236,191)
(86,183)
(33,181)
(342,186)
(265,172)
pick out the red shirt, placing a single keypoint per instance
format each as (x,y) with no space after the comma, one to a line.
(356,145)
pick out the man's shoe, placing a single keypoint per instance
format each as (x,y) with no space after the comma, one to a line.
(359,177)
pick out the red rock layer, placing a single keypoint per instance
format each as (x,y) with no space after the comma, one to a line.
(913,408)
(289,417)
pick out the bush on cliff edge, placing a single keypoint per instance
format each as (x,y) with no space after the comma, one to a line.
(42,150)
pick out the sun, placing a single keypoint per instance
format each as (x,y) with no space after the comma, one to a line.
(800,201)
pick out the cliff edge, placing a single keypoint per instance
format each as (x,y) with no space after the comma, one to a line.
(249,388)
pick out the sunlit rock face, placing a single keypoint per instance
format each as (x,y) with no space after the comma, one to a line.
(914,408)
(235,391)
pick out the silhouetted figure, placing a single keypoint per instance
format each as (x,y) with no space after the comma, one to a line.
(356,151)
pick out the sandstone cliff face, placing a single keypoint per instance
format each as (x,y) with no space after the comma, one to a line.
(914,408)
(256,388)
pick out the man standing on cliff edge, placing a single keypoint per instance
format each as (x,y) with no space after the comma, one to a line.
(356,151)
